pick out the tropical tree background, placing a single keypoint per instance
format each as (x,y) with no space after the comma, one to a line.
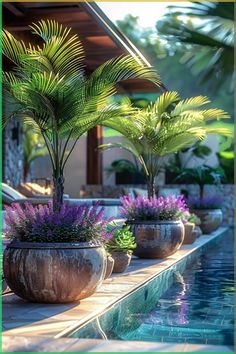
(192,49)
(205,31)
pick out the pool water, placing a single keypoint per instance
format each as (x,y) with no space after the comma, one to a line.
(199,306)
(195,305)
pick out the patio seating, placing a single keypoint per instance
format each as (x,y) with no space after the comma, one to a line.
(11,195)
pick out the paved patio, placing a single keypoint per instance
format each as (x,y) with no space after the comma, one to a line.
(36,326)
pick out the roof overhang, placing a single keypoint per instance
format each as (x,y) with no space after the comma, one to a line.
(101,39)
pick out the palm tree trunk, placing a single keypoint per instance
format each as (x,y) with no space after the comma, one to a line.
(25,172)
(150,187)
(201,191)
(58,191)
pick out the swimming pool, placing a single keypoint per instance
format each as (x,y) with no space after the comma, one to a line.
(192,302)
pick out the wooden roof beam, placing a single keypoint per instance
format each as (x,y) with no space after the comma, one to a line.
(15,9)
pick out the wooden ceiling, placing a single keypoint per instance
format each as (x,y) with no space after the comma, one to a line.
(101,39)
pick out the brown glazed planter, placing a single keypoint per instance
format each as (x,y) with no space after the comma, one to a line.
(110,266)
(157,239)
(122,261)
(54,272)
(211,219)
(189,235)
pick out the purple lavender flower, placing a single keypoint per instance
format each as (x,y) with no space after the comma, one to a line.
(81,223)
(209,202)
(143,208)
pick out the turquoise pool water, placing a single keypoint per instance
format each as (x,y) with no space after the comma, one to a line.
(196,305)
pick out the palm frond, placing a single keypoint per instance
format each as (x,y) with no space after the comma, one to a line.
(120,69)
(189,104)
(215,113)
(164,101)
(12,48)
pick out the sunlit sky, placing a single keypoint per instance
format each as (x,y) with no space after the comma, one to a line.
(148,12)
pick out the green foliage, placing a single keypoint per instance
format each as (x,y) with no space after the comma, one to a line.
(50,91)
(123,166)
(166,55)
(202,175)
(208,43)
(198,150)
(122,241)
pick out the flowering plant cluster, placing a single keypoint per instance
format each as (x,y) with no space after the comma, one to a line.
(210,202)
(81,223)
(143,208)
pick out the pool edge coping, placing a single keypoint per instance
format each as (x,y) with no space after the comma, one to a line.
(70,330)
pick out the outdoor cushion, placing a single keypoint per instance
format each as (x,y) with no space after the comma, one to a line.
(165,192)
(11,192)
(33,190)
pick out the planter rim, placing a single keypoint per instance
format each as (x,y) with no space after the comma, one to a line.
(153,222)
(52,245)
(190,223)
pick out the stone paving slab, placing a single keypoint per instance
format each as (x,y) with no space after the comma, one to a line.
(41,344)
(21,318)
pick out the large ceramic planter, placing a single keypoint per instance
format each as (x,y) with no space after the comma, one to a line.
(54,272)
(157,239)
(121,261)
(211,219)
(110,266)
(189,235)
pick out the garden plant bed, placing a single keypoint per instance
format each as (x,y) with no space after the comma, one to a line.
(55,321)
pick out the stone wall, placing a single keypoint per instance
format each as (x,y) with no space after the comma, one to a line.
(226,191)
(12,148)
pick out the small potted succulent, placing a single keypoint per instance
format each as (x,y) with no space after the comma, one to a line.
(189,220)
(193,218)
(55,256)
(121,246)
(156,224)
(208,209)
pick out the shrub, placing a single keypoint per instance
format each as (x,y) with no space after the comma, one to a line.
(211,202)
(121,241)
(81,223)
(142,208)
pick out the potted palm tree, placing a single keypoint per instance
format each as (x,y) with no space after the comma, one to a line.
(49,90)
(164,127)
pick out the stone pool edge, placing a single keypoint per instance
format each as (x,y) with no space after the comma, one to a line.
(194,248)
